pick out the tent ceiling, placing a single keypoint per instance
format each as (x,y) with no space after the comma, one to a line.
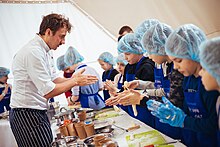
(113,14)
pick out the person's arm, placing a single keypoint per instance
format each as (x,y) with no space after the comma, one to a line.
(156,92)
(176,88)
(77,80)
(4,92)
(209,124)
(60,80)
(146,71)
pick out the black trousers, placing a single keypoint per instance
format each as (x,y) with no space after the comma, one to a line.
(30,127)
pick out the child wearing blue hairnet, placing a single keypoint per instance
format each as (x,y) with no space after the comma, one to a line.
(5,89)
(143,27)
(168,81)
(107,61)
(210,73)
(61,66)
(87,95)
(198,117)
(116,86)
(138,67)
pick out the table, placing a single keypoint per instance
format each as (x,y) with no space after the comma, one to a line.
(6,138)
(126,121)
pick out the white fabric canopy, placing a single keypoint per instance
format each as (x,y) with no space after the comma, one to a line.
(20,22)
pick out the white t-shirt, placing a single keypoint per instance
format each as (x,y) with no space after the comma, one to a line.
(90,89)
(33,75)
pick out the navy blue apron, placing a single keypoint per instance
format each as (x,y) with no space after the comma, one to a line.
(5,102)
(144,114)
(164,82)
(160,80)
(93,101)
(196,110)
(106,77)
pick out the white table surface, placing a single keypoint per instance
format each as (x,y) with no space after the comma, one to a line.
(6,138)
(126,121)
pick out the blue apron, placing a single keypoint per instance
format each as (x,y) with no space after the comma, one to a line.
(93,101)
(164,82)
(106,77)
(144,114)
(196,110)
(160,80)
(119,86)
(5,102)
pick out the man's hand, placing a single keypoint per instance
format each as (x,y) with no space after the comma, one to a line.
(82,80)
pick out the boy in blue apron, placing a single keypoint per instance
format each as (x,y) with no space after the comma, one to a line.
(107,61)
(168,82)
(5,89)
(138,67)
(198,117)
(87,95)
(210,73)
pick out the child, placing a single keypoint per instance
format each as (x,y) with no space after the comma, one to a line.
(124,30)
(138,67)
(210,73)
(143,27)
(168,82)
(61,66)
(198,117)
(116,86)
(5,90)
(106,60)
(87,95)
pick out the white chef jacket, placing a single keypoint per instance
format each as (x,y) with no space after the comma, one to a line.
(33,76)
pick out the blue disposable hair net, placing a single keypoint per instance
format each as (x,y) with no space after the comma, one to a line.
(107,57)
(155,38)
(61,65)
(184,42)
(72,56)
(144,26)
(121,58)
(4,71)
(130,44)
(210,57)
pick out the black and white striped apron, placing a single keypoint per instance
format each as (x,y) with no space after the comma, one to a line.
(31,127)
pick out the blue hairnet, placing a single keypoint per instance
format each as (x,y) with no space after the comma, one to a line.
(72,56)
(155,38)
(184,42)
(144,26)
(210,57)
(107,57)
(130,44)
(121,59)
(61,65)
(4,72)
